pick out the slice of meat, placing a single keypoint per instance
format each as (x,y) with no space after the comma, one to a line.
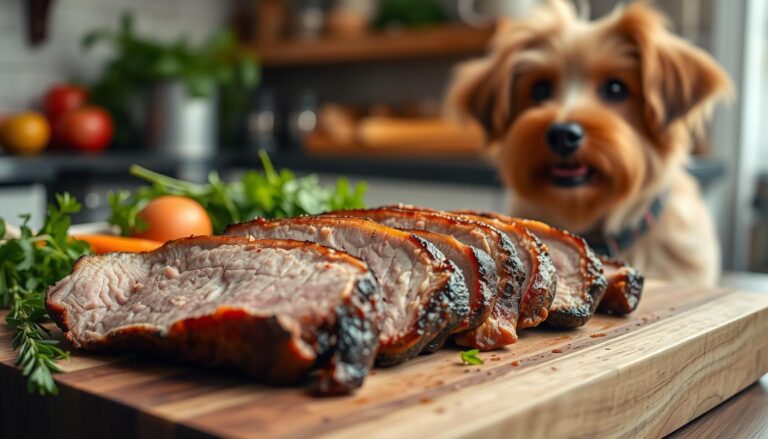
(541,277)
(625,286)
(580,280)
(498,328)
(424,295)
(580,284)
(276,309)
(479,274)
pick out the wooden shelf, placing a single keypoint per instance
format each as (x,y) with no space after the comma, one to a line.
(447,40)
(466,169)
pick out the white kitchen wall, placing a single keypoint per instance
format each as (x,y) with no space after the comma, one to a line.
(20,200)
(26,72)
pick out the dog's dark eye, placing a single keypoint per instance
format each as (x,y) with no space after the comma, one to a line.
(541,90)
(614,90)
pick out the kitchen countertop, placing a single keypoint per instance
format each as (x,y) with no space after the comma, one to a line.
(471,171)
(743,415)
(746,413)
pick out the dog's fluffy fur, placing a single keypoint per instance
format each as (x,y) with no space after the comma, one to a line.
(636,148)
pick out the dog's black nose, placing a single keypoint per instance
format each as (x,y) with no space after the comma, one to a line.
(565,138)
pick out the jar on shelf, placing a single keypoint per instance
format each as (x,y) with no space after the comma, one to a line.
(309,19)
(262,123)
(302,119)
(350,18)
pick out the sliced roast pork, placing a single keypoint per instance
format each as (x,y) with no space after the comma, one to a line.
(580,280)
(479,274)
(625,286)
(424,295)
(541,277)
(276,309)
(498,327)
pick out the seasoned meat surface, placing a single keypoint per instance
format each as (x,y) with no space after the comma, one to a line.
(580,280)
(424,295)
(276,309)
(498,327)
(625,287)
(580,284)
(541,276)
(479,274)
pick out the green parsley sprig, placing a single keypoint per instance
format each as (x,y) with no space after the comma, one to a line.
(28,265)
(471,357)
(268,194)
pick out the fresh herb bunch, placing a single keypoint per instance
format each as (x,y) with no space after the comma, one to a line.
(28,265)
(409,13)
(268,194)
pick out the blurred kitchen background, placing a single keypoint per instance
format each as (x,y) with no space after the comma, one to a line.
(332,87)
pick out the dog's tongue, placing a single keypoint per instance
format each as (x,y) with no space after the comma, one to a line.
(570,171)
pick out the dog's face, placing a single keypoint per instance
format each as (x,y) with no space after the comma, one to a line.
(587,116)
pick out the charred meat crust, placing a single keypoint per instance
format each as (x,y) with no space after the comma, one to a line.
(444,306)
(481,278)
(487,269)
(500,329)
(270,348)
(444,311)
(593,280)
(625,287)
(583,306)
(540,285)
(345,366)
(543,287)
(499,326)
(575,316)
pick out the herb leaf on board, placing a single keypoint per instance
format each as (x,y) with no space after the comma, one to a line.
(471,357)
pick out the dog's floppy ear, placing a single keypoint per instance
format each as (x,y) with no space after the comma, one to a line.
(473,94)
(680,81)
(480,89)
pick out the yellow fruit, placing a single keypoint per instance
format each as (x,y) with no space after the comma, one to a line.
(25,133)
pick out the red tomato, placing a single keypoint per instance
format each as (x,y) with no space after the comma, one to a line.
(87,129)
(63,98)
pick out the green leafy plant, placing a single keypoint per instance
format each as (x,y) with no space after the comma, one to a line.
(219,64)
(268,194)
(28,266)
(471,357)
(410,13)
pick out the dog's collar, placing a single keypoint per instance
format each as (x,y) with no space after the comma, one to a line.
(612,244)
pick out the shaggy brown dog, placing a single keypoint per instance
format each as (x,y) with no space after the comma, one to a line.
(591,125)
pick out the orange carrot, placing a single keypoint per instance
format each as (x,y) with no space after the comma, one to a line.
(109,243)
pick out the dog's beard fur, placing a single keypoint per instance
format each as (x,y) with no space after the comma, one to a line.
(632,146)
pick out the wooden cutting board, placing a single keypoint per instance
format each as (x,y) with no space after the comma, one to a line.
(682,352)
